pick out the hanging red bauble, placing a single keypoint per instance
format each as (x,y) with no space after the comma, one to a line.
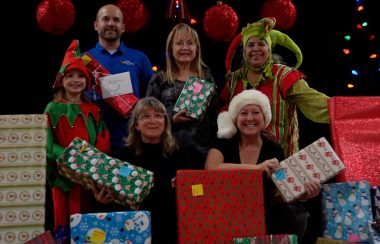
(135,14)
(220,22)
(283,10)
(55,16)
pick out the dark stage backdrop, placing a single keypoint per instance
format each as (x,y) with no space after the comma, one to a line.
(33,57)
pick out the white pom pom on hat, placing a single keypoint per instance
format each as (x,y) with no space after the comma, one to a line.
(226,120)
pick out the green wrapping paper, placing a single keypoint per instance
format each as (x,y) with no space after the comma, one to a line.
(195,97)
(268,239)
(81,162)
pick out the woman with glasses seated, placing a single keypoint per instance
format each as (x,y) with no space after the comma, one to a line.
(151,145)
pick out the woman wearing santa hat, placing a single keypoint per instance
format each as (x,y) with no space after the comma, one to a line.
(243,143)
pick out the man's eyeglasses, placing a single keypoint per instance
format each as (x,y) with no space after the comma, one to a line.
(155,117)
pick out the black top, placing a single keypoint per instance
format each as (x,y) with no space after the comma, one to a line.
(196,135)
(269,150)
(161,201)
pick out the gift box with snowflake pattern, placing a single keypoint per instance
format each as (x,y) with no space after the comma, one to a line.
(346,209)
(113,227)
(82,163)
(195,97)
(317,161)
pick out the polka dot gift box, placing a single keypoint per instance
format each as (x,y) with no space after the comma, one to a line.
(215,206)
(195,97)
(82,162)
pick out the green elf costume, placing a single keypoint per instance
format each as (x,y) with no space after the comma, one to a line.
(65,122)
(285,86)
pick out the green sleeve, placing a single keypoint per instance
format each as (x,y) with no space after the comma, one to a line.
(53,151)
(312,103)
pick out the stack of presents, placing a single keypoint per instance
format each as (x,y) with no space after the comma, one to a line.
(213,206)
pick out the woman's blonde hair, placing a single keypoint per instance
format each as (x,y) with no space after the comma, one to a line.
(197,65)
(134,139)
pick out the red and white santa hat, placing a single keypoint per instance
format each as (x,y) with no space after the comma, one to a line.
(227,120)
(72,61)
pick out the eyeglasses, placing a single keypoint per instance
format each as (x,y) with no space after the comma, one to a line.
(158,117)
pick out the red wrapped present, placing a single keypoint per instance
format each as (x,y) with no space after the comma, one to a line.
(122,102)
(355,132)
(215,206)
(44,238)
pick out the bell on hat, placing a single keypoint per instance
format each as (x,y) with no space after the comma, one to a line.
(72,61)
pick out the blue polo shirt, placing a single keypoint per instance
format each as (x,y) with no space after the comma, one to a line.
(123,60)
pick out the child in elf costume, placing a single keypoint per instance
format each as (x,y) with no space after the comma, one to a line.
(71,115)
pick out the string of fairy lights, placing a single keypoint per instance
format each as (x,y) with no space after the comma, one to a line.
(360,47)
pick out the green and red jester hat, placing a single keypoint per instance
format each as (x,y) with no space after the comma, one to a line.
(72,61)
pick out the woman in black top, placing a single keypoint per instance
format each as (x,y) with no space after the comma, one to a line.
(242,144)
(151,145)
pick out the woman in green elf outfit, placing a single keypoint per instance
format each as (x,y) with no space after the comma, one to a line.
(285,86)
(71,115)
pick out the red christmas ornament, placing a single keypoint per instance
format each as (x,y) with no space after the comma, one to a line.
(135,14)
(283,10)
(55,16)
(220,22)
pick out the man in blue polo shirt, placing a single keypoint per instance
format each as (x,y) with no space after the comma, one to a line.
(116,57)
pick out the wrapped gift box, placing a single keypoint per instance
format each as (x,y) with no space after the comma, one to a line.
(346,209)
(355,135)
(82,163)
(268,239)
(322,240)
(114,227)
(195,97)
(122,103)
(317,161)
(374,232)
(20,234)
(215,206)
(22,176)
(44,238)
(376,202)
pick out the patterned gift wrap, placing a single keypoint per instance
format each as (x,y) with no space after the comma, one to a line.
(355,136)
(268,239)
(215,206)
(115,227)
(374,232)
(376,202)
(44,238)
(346,209)
(195,97)
(82,162)
(22,176)
(123,104)
(322,240)
(19,234)
(317,161)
